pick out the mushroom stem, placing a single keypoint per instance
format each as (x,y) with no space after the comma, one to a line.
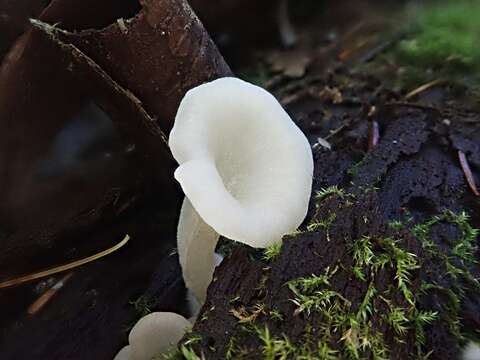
(198,267)
(246,171)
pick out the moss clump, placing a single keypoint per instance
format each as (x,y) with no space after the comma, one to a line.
(456,262)
(329,191)
(184,351)
(444,44)
(271,252)
(359,339)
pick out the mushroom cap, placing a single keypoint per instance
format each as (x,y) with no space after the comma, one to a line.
(154,334)
(124,354)
(243,163)
(471,351)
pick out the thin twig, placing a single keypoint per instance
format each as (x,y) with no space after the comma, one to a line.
(345,54)
(62,268)
(412,105)
(38,304)
(335,131)
(468,172)
(424,87)
(373,135)
(287,100)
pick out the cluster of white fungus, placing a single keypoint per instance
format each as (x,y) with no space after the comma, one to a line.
(246,170)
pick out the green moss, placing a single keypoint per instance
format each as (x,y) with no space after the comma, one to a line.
(405,262)
(444,43)
(397,318)
(142,306)
(456,264)
(362,254)
(359,339)
(271,252)
(421,319)
(184,351)
(464,248)
(396,225)
(189,354)
(310,293)
(275,314)
(274,348)
(323,224)
(353,170)
(329,191)
(282,348)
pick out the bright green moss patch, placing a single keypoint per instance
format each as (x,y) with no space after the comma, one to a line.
(444,44)
(353,331)
(447,37)
(357,336)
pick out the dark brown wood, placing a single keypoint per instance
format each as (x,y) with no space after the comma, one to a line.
(158,55)
(137,78)
(14,15)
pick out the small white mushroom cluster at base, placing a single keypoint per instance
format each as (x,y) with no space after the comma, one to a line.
(246,170)
(153,335)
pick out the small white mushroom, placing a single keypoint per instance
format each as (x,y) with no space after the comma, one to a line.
(193,304)
(245,168)
(153,335)
(471,352)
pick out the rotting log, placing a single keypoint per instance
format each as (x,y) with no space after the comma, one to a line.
(158,54)
(14,15)
(137,78)
(45,82)
(385,264)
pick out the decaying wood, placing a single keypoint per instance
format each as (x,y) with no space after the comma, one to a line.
(14,15)
(167,47)
(410,176)
(137,78)
(46,80)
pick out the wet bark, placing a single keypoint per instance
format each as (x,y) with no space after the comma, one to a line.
(130,74)
(136,74)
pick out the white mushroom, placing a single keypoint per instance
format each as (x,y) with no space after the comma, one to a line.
(153,335)
(245,168)
(193,304)
(471,352)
